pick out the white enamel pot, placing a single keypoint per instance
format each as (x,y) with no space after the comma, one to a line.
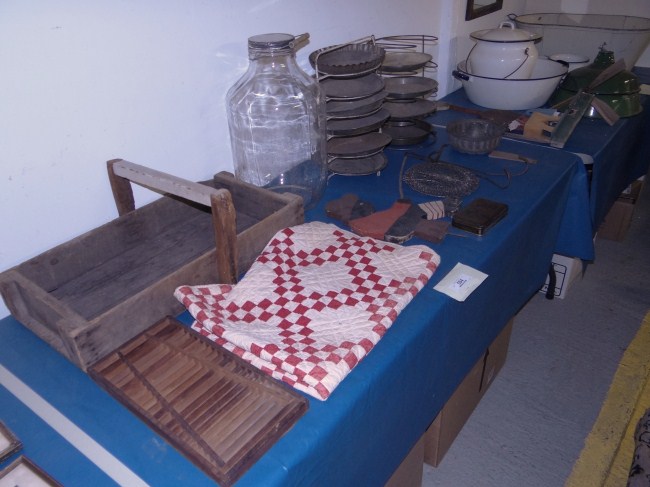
(573,60)
(505,52)
(513,94)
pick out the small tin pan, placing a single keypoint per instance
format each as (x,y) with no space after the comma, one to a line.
(409,109)
(402,62)
(359,125)
(404,87)
(408,132)
(355,108)
(357,146)
(347,59)
(360,166)
(337,89)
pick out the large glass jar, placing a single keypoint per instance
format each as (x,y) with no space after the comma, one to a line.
(276,117)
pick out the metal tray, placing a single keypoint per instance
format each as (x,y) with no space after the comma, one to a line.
(407,109)
(359,167)
(357,146)
(358,125)
(358,107)
(401,62)
(408,132)
(404,87)
(352,88)
(347,59)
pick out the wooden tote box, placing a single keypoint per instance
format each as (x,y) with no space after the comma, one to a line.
(88,296)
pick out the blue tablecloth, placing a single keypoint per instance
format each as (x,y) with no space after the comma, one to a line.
(371,421)
(616,156)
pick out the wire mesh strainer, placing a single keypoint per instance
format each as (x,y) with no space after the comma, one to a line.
(441,179)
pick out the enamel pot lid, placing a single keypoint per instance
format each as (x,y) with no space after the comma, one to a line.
(505,33)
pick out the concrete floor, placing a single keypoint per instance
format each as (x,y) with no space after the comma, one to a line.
(530,427)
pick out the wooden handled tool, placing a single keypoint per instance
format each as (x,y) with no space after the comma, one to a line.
(502,117)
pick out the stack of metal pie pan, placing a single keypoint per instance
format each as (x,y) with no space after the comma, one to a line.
(355,95)
(407,92)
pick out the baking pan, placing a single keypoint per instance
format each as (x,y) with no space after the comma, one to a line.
(347,59)
(352,88)
(408,132)
(360,166)
(401,62)
(408,109)
(357,146)
(357,125)
(404,87)
(357,107)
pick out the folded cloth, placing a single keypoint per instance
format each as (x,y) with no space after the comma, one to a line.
(313,304)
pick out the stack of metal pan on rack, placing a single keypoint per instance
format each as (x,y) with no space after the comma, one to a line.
(355,95)
(408,89)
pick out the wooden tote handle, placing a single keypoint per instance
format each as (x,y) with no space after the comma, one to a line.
(122,173)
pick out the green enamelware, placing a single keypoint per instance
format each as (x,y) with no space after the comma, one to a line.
(621,91)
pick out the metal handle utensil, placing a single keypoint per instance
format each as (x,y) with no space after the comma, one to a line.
(511,156)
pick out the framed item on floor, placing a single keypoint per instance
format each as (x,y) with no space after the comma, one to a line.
(9,444)
(24,473)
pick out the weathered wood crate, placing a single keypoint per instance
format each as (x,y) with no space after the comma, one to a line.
(90,295)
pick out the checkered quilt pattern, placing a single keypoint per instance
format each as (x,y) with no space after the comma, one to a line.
(313,304)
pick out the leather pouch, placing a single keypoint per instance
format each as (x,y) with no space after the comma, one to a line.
(479,216)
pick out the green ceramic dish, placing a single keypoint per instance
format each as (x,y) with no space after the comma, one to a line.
(621,92)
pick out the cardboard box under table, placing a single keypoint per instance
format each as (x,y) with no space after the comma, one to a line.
(567,271)
(618,219)
(90,295)
(448,423)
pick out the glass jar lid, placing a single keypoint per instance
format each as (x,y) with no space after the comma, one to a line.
(274,41)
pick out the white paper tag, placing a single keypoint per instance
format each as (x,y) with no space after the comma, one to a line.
(460,282)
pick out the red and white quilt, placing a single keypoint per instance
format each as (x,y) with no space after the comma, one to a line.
(313,304)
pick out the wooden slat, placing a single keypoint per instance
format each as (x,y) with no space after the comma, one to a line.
(122,191)
(160,181)
(218,410)
(225,236)
(150,258)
